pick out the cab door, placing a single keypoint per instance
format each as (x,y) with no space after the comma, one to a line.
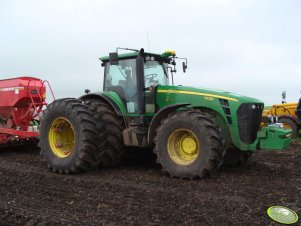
(154,75)
(121,79)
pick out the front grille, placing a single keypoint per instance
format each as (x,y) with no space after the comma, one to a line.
(249,118)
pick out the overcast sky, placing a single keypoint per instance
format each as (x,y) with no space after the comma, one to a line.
(248,47)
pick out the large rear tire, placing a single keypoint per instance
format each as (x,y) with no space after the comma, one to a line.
(114,148)
(70,138)
(290,124)
(188,144)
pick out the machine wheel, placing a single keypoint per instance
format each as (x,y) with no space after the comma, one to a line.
(188,144)
(70,138)
(290,124)
(235,157)
(114,149)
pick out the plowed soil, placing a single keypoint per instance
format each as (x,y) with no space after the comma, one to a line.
(137,193)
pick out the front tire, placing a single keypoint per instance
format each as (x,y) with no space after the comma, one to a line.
(70,139)
(290,124)
(188,144)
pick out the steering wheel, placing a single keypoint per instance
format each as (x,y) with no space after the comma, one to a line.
(151,75)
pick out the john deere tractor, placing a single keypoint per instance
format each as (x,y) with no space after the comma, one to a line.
(191,130)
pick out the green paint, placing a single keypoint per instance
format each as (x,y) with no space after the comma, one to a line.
(200,98)
(166,54)
(212,103)
(274,138)
(120,56)
(129,56)
(115,98)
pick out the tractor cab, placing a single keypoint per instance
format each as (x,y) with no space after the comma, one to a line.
(135,76)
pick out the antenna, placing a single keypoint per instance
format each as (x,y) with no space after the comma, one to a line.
(283,97)
(148,42)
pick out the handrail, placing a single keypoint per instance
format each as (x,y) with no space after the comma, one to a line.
(50,88)
(30,94)
(37,107)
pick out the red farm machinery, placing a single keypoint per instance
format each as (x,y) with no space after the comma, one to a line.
(22,100)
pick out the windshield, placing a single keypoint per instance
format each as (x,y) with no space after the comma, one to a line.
(154,74)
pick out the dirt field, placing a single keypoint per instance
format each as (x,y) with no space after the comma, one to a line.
(137,193)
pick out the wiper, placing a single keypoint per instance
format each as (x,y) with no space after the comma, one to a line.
(165,71)
(122,73)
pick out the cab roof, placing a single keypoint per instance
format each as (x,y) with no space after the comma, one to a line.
(131,55)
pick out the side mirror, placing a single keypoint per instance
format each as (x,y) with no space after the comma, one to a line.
(113,58)
(184,67)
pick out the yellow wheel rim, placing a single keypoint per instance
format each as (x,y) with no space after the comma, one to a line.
(61,137)
(183,146)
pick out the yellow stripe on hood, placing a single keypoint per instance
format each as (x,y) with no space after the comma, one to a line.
(196,93)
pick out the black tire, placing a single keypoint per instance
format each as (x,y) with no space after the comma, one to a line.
(208,138)
(291,124)
(89,136)
(114,125)
(234,157)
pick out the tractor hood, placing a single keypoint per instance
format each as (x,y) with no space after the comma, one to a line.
(207,93)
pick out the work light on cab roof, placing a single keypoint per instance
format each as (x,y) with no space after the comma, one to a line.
(168,53)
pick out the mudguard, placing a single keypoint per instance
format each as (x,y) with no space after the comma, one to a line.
(104,98)
(159,116)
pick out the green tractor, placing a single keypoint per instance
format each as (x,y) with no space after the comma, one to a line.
(192,131)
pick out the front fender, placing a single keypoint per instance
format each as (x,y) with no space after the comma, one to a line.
(156,120)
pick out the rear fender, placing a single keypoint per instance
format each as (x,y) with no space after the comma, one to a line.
(109,101)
